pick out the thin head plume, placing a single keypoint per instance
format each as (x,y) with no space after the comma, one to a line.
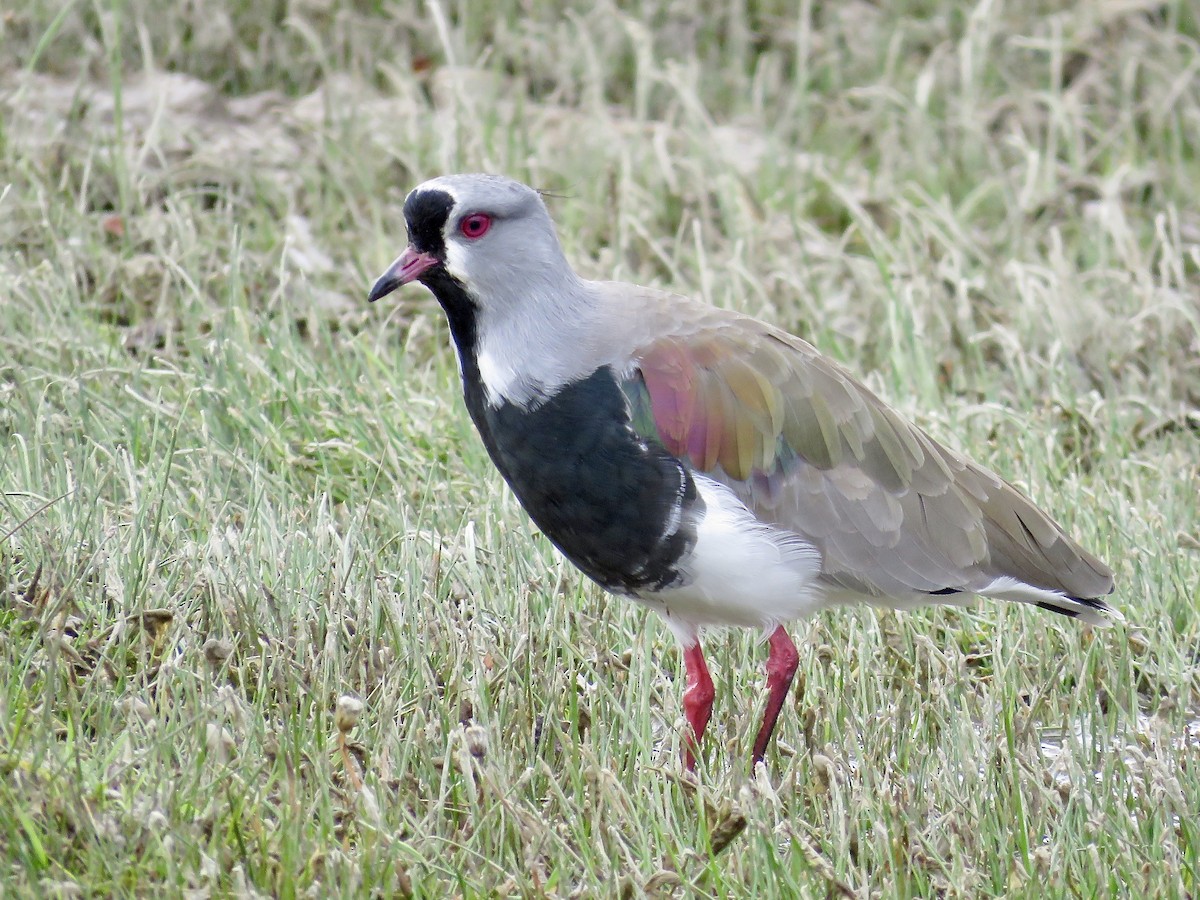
(553,195)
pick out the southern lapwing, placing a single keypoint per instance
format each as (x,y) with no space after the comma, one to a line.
(705,464)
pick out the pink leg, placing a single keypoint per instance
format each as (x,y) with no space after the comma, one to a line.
(782,662)
(697,702)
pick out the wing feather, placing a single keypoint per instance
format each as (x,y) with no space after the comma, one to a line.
(813,451)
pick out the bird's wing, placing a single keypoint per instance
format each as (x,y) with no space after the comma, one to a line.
(811,450)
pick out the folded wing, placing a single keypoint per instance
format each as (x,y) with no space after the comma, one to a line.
(811,450)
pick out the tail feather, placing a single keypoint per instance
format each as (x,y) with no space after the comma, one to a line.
(1092,610)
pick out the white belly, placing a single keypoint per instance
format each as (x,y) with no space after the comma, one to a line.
(740,572)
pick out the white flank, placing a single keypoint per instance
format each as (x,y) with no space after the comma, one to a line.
(741,572)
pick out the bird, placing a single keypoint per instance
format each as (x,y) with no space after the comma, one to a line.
(707,465)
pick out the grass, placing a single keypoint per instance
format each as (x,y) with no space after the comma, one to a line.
(231,493)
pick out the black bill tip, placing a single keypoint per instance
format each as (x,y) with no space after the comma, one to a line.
(408,267)
(385,285)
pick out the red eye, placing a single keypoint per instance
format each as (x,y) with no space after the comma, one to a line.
(475,225)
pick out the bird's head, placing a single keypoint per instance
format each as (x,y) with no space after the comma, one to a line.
(482,232)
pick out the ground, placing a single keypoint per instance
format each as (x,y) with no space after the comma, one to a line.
(232,493)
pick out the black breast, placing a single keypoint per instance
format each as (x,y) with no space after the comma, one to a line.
(613,504)
(621,509)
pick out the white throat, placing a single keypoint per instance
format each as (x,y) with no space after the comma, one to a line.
(530,346)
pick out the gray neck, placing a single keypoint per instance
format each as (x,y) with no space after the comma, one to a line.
(535,336)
